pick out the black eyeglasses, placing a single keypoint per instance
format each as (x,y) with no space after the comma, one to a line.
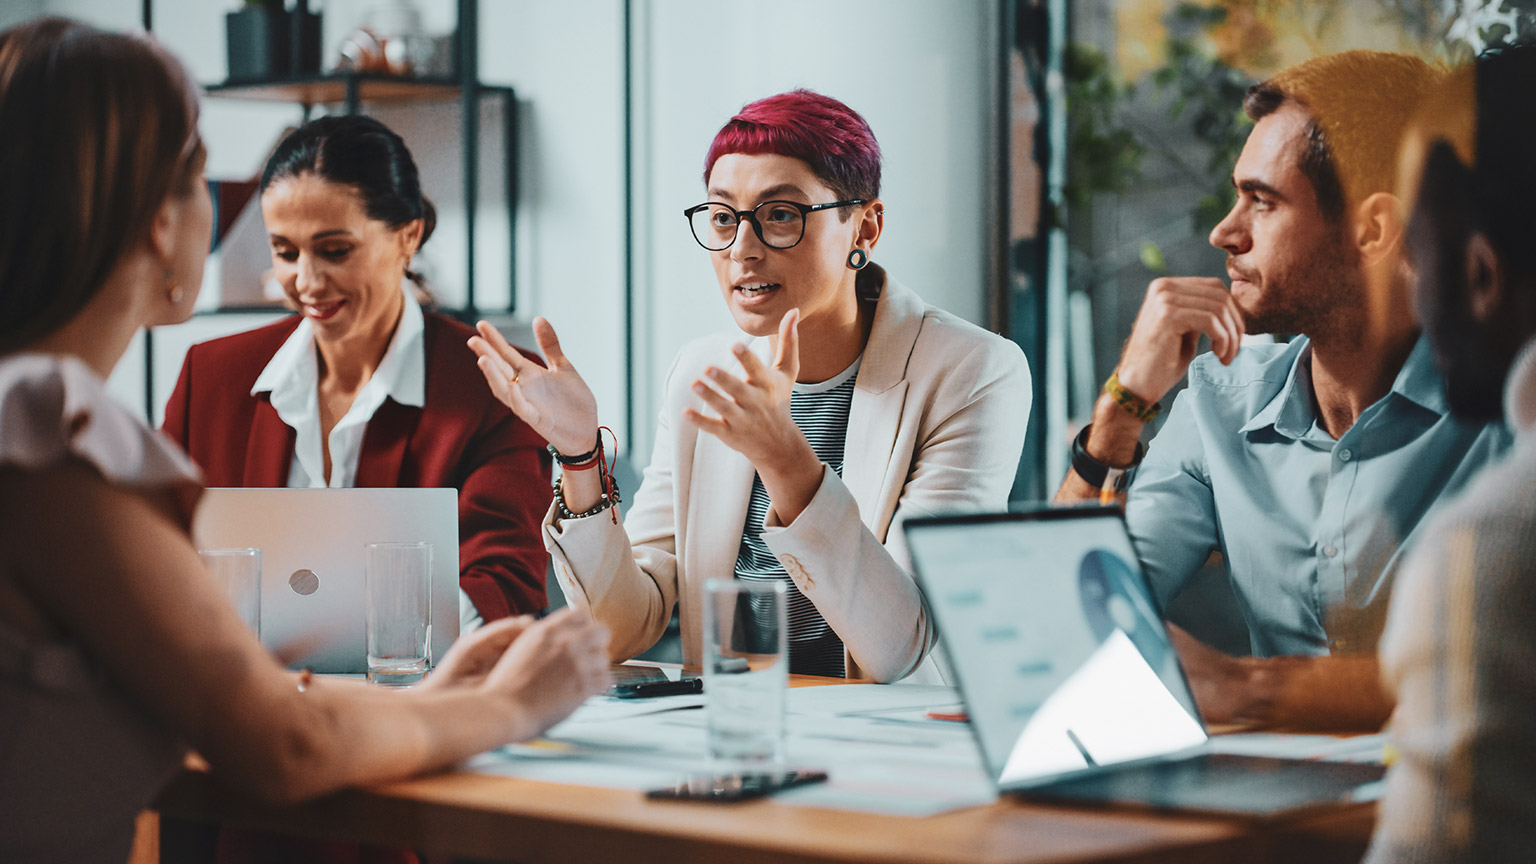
(779,224)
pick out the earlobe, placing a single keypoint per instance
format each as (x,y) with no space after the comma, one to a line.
(1485,282)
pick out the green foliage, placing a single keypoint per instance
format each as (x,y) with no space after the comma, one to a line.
(1106,154)
(1103,155)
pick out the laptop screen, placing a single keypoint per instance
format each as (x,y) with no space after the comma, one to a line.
(1061,655)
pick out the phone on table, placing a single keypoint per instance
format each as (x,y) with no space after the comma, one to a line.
(736,786)
(647,689)
(643,682)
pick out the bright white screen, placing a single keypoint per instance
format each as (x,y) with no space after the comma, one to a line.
(1060,653)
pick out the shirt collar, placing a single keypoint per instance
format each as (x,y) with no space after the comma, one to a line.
(1291,412)
(292,375)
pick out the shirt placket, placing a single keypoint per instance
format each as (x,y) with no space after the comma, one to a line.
(1332,547)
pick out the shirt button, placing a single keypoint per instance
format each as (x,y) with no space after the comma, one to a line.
(1330,550)
(1345,455)
(1339,644)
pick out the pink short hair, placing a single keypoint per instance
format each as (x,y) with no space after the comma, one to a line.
(818,130)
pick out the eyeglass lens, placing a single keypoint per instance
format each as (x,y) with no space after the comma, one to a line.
(778,223)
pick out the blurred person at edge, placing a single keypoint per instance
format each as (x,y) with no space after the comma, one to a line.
(365,387)
(796,455)
(1310,466)
(1459,648)
(116,649)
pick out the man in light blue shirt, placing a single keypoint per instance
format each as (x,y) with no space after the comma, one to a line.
(1309,465)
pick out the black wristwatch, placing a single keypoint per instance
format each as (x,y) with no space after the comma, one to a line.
(1096,472)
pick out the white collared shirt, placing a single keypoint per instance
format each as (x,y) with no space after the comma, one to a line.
(293,380)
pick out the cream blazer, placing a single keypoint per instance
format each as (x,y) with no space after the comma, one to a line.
(936,426)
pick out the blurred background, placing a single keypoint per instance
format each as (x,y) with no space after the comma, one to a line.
(1044,159)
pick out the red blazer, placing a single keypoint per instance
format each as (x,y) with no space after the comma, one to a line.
(463,438)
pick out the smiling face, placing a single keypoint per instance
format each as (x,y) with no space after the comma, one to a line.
(339,268)
(1292,269)
(761,283)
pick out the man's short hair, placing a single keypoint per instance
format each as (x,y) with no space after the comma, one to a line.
(1359,102)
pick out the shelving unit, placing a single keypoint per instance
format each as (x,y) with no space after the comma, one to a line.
(352,91)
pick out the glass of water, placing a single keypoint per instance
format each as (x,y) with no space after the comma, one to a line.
(238,572)
(399,609)
(746,670)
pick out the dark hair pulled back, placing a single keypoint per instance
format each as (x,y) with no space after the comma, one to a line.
(360,152)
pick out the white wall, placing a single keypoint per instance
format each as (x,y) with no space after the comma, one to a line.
(920,71)
(14,12)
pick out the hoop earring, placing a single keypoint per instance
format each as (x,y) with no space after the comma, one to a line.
(857,259)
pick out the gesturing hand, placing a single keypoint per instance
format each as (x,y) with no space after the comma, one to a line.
(550,668)
(754,419)
(1167,333)
(555,402)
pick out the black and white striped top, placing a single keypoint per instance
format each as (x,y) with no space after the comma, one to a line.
(821,412)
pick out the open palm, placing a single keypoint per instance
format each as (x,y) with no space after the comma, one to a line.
(555,402)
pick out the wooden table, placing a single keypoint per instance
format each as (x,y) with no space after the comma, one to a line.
(492,818)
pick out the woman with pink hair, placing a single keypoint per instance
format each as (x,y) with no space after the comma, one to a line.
(795,455)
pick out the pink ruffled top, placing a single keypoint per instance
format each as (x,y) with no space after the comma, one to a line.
(78,756)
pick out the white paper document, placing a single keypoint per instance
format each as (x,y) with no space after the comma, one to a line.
(880,752)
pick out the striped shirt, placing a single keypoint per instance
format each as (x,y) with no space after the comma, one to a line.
(821,412)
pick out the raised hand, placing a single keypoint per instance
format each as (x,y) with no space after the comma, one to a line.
(753,419)
(554,401)
(1176,311)
(550,668)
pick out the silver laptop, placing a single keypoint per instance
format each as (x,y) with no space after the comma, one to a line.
(311,543)
(1073,689)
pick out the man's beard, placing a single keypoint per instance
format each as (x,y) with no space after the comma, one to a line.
(1308,301)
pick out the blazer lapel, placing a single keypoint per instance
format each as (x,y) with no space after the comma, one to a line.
(269,449)
(874,418)
(720,490)
(873,421)
(384,442)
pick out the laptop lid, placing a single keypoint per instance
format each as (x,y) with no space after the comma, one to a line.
(1058,648)
(318,621)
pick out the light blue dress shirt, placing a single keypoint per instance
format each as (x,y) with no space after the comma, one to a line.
(1311,530)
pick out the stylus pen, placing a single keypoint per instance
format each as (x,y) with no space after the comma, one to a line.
(645,689)
(1077,742)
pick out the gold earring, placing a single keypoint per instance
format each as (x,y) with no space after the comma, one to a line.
(172,288)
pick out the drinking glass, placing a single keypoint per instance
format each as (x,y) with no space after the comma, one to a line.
(399,610)
(238,571)
(746,670)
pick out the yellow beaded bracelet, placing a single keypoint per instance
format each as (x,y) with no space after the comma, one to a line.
(1133,404)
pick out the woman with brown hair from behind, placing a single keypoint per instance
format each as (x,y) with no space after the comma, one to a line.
(115,646)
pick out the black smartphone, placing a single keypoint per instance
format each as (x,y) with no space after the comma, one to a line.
(735,787)
(647,689)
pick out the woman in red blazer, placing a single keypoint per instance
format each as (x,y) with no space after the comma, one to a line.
(363,388)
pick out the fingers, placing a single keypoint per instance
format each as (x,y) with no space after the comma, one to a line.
(549,343)
(497,634)
(787,360)
(712,425)
(492,343)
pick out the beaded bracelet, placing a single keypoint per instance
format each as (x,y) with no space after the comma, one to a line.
(610,497)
